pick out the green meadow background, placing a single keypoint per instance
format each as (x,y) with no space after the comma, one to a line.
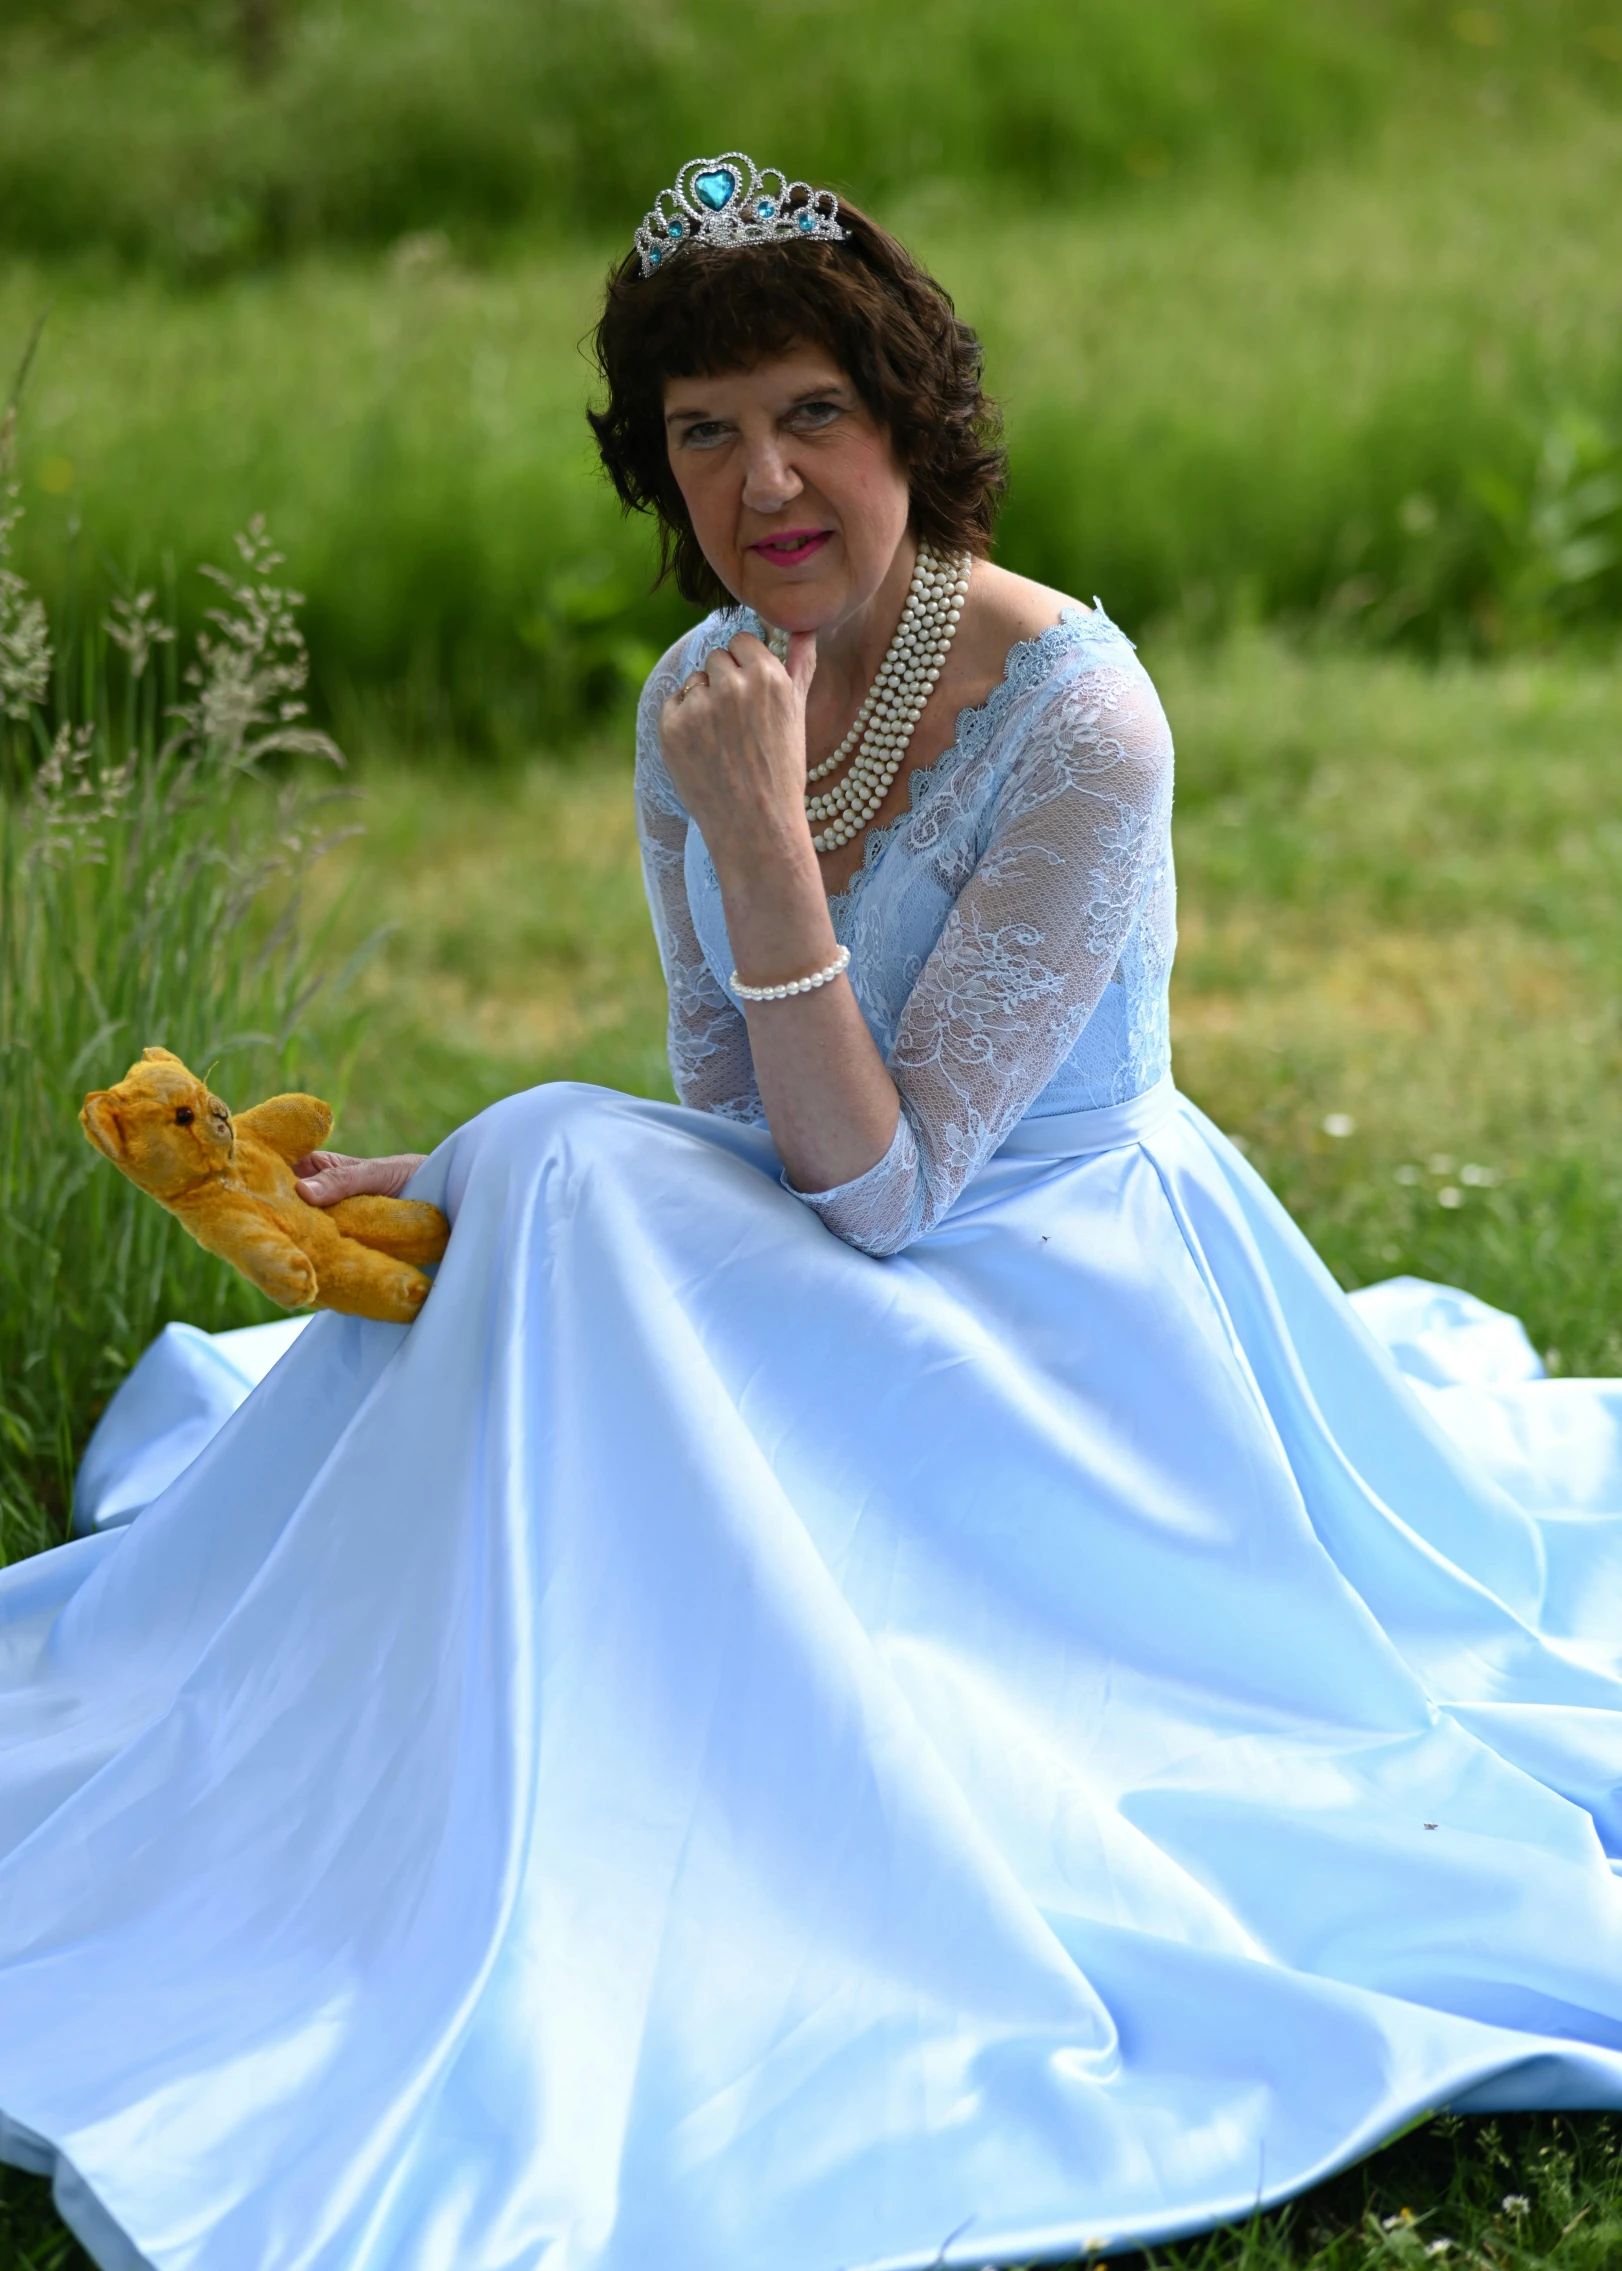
(1306,318)
(1301,312)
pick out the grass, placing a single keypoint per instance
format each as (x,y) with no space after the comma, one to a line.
(517,946)
(134,129)
(1400,909)
(1390,403)
(150,891)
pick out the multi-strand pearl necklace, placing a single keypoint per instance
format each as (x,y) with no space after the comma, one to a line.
(883,728)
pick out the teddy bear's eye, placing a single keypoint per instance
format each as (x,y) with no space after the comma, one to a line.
(185,1116)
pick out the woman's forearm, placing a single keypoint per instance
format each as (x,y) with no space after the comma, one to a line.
(828,1099)
(734,742)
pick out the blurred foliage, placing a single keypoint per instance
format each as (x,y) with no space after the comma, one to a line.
(202,134)
(1385,408)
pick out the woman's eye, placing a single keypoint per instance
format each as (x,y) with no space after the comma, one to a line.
(705,435)
(816,413)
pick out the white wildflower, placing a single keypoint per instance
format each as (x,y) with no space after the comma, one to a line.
(1450,1195)
(25,638)
(1339,1124)
(252,668)
(133,626)
(25,649)
(72,797)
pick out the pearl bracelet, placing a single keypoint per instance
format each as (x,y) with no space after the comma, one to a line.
(836,968)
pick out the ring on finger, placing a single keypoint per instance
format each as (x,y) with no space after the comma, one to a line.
(697,678)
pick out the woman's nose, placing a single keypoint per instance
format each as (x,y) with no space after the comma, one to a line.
(770,481)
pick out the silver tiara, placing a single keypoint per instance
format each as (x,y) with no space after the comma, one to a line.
(731,200)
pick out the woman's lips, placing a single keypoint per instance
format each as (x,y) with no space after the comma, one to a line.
(792,546)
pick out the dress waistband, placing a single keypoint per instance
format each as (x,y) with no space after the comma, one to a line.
(1064,1135)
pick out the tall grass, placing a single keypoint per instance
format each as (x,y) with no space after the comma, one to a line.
(150,891)
(134,128)
(1388,407)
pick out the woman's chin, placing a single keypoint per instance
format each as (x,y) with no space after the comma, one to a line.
(792,620)
(794,606)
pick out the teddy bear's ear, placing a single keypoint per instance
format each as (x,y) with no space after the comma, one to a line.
(101,1124)
(159,1056)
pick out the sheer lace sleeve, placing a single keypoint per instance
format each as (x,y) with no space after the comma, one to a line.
(1078,840)
(708,1040)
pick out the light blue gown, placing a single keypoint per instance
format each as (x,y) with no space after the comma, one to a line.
(983,1713)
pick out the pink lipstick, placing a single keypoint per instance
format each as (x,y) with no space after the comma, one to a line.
(792,545)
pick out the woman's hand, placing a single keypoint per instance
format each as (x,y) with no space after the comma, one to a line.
(325,1177)
(733,740)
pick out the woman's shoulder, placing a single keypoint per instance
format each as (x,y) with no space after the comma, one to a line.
(1012,609)
(1031,636)
(1069,701)
(1035,647)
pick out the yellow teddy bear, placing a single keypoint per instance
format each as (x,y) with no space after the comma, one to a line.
(230,1181)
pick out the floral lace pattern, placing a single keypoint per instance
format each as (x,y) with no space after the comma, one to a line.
(1011,933)
(706,1037)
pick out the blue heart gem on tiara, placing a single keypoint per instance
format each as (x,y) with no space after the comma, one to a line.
(728,200)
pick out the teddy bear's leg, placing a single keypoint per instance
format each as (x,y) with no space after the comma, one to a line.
(409,1229)
(239,1232)
(359,1283)
(289,1125)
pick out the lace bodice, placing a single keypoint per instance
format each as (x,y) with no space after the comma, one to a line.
(1011,934)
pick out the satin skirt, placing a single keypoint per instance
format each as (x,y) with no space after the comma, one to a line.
(710,1750)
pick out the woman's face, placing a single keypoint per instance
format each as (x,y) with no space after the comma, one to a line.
(795,495)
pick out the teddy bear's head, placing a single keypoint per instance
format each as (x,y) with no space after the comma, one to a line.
(160,1125)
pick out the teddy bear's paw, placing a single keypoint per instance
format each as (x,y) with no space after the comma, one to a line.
(297,1285)
(364,1284)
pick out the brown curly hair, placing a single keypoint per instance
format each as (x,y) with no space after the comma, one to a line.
(885,321)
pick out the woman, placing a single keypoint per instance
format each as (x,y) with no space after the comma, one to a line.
(888,1674)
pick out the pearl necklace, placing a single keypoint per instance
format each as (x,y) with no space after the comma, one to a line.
(883,727)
